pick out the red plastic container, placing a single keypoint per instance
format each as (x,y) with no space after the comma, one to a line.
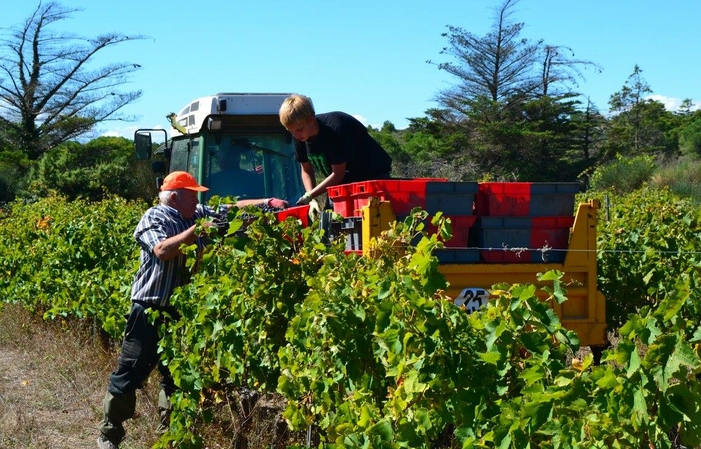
(299,212)
(461,225)
(342,198)
(348,252)
(405,194)
(522,199)
(507,199)
(522,239)
(553,233)
(363,190)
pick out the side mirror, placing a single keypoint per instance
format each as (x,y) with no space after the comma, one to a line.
(143,145)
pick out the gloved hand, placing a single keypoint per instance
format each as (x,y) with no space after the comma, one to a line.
(211,225)
(304,200)
(277,203)
(314,210)
(222,226)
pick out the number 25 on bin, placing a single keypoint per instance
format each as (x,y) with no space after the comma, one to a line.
(472,299)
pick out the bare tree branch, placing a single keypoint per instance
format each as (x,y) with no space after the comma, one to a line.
(50,91)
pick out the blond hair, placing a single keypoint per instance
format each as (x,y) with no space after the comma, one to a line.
(295,110)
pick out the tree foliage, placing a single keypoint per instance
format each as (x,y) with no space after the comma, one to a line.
(639,125)
(497,66)
(514,101)
(50,90)
(690,135)
(100,168)
(646,247)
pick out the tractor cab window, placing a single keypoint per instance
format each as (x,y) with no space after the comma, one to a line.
(251,166)
(235,169)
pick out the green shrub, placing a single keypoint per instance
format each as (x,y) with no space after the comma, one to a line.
(369,350)
(95,170)
(623,175)
(13,169)
(682,177)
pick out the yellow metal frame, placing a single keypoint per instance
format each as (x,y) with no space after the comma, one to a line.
(585,310)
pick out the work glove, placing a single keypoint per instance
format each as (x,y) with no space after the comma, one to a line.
(304,200)
(212,225)
(277,203)
(314,210)
(222,226)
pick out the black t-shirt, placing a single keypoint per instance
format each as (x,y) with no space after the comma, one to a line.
(342,138)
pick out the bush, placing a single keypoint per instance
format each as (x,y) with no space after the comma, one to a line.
(682,177)
(623,175)
(13,169)
(95,170)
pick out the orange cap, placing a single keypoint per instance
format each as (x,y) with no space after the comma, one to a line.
(181,180)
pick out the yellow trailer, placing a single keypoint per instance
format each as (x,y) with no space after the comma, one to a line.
(585,310)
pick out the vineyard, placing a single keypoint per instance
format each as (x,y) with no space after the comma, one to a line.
(369,351)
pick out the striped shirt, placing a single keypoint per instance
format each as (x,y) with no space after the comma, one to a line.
(156,279)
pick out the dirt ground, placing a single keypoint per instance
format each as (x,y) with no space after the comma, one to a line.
(52,382)
(53,379)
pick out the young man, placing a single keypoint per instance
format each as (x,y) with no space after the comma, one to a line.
(160,233)
(334,144)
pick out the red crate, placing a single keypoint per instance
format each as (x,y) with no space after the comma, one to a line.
(366,187)
(506,199)
(348,252)
(461,225)
(404,194)
(299,212)
(407,194)
(550,232)
(547,237)
(521,199)
(339,191)
(342,198)
(363,190)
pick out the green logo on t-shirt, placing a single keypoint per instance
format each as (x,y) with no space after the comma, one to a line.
(318,161)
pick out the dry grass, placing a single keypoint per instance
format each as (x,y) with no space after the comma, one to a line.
(53,377)
(52,381)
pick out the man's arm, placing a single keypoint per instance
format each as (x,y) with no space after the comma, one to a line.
(273,202)
(169,248)
(338,172)
(308,176)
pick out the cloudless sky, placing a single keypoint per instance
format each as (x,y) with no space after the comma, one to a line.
(368,58)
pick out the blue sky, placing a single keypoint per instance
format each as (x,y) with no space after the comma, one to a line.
(368,58)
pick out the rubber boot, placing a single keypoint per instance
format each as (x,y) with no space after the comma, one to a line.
(164,409)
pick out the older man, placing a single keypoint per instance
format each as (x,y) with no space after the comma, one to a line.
(161,232)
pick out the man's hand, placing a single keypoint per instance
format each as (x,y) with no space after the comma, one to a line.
(304,200)
(277,203)
(212,225)
(314,210)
